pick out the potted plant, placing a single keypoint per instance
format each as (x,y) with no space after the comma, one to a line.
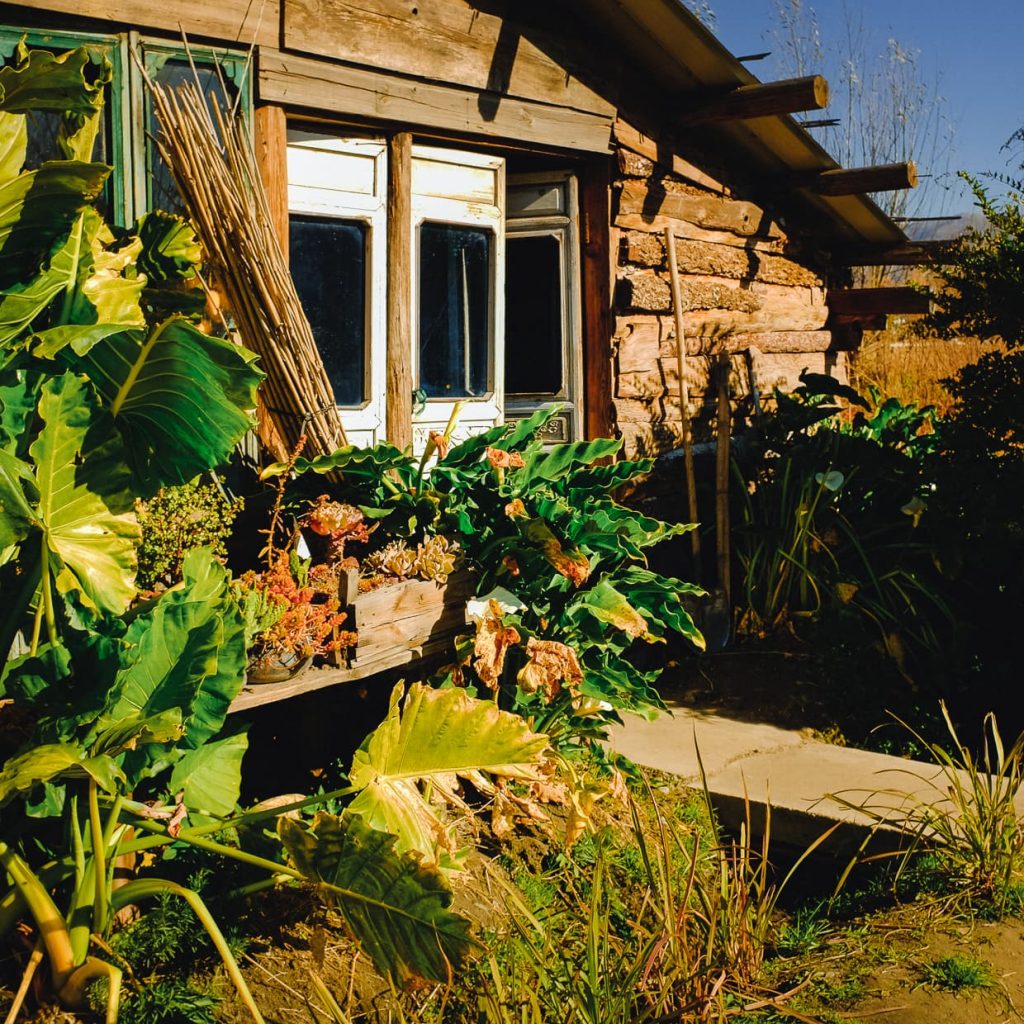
(292,614)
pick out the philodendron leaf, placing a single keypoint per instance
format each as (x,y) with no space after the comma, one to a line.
(395,906)
(180,398)
(210,778)
(52,760)
(17,517)
(84,503)
(608,605)
(131,733)
(187,652)
(70,82)
(13,144)
(434,736)
(38,210)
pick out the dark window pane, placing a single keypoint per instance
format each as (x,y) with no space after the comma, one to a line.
(533,315)
(328,262)
(173,73)
(455,310)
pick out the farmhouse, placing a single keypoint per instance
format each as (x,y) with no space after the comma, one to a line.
(475,197)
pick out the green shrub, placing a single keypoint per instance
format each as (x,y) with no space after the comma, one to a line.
(177,519)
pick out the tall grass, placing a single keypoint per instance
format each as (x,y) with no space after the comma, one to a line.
(903,365)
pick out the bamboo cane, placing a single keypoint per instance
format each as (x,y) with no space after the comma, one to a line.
(723,455)
(684,395)
(214,167)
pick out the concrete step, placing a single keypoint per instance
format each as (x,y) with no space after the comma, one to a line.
(808,784)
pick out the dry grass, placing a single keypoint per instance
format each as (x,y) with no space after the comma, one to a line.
(911,368)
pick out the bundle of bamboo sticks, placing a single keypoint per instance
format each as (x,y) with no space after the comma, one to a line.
(213,164)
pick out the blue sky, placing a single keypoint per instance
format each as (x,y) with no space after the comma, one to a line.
(973,48)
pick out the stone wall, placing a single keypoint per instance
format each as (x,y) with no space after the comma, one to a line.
(747,289)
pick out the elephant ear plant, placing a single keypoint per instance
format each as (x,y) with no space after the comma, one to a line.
(112,708)
(540,522)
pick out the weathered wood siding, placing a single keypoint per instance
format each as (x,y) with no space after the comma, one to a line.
(747,288)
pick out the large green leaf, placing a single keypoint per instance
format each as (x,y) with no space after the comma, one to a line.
(180,398)
(436,735)
(187,652)
(210,777)
(660,600)
(354,463)
(17,516)
(13,144)
(38,210)
(55,760)
(610,606)
(70,82)
(555,463)
(84,500)
(395,906)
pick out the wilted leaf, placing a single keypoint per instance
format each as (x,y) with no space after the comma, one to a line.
(572,564)
(549,664)
(607,604)
(436,734)
(493,639)
(396,907)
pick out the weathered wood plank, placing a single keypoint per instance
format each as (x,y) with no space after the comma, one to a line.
(728,261)
(270,142)
(596,272)
(451,41)
(713,213)
(661,153)
(334,88)
(398,356)
(235,22)
(419,657)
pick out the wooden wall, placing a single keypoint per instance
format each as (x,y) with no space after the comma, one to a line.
(747,288)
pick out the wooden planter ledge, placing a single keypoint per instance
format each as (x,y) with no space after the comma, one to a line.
(405,623)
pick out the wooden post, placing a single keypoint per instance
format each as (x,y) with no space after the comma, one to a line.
(723,458)
(684,397)
(270,140)
(760,99)
(398,400)
(596,275)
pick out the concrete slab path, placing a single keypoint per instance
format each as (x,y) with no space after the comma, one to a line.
(799,776)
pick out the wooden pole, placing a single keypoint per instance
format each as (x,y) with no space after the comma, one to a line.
(398,397)
(684,395)
(870,302)
(849,181)
(760,99)
(723,456)
(270,143)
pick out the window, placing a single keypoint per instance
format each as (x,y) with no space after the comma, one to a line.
(458,202)
(479,250)
(220,77)
(454,321)
(139,181)
(542,334)
(337,246)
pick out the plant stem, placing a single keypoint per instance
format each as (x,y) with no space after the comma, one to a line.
(34,961)
(144,888)
(99,860)
(44,583)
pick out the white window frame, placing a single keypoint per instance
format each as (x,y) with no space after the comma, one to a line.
(347,179)
(465,207)
(562,224)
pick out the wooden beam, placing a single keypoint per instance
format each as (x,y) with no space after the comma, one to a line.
(762,99)
(913,254)
(461,42)
(317,85)
(848,181)
(596,275)
(230,22)
(399,385)
(865,303)
(270,141)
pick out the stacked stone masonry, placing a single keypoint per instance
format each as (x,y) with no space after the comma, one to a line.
(746,289)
